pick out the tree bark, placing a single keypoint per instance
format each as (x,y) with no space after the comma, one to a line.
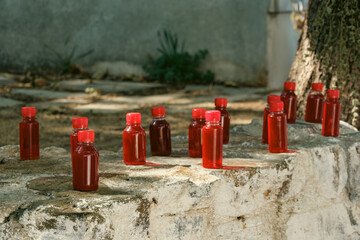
(327,54)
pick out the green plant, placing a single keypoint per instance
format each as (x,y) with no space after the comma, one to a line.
(67,61)
(175,65)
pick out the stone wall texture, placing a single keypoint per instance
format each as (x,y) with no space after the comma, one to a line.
(311,193)
(125,32)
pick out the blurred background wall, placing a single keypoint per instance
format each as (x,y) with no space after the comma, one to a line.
(123,33)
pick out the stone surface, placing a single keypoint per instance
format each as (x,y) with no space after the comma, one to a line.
(110,104)
(8,102)
(311,193)
(42,94)
(5,80)
(106,86)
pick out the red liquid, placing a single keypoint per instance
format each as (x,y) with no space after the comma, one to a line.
(331,118)
(212,145)
(195,138)
(225,123)
(160,137)
(277,132)
(265,125)
(74,142)
(314,108)
(290,104)
(86,167)
(134,145)
(29,139)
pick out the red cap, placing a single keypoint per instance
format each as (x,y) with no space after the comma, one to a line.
(212,116)
(289,86)
(158,111)
(80,122)
(271,98)
(132,118)
(198,112)
(277,106)
(28,111)
(333,93)
(86,136)
(221,102)
(317,87)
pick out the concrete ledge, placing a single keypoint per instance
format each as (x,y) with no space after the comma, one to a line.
(312,193)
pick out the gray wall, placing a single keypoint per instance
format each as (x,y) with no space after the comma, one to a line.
(234,31)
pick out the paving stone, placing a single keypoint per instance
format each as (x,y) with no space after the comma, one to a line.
(5,80)
(106,86)
(123,103)
(44,94)
(8,102)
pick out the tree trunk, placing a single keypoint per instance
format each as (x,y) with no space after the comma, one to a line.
(329,53)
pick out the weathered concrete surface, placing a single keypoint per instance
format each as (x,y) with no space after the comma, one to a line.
(312,193)
(118,31)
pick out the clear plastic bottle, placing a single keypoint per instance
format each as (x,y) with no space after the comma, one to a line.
(134,141)
(331,116)
(195,132)
(315,104)
(159,130)
(212,152)
(277,128)
(86,163)
(270,99)
(29,135)
(220,105)
(79,124)
(289,98)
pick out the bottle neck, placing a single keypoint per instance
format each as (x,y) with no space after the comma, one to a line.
(289,91)
(213,123)
(199,119)
(86,143)
(334,100)
(159,118)
(29,119)
(220,107)
(278,112)
(133,124)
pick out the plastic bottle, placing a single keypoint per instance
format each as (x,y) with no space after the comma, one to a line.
(160,137)
(331,116)
(315,104)
(86,163)
(277,128)
(289,98)
(29,134)
(212,152)
(79,124)
(220,105)
(195,132)
(134,140)
(270,98)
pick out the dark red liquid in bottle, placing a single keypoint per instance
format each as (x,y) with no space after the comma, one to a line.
(79,124)
(270,99)
(220,105)
(331,116)
(86,163)
(212,141)
(314,104)
(134,141)
(29,135)
(195,132)
(289,98)
(160,136)
(277,128)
